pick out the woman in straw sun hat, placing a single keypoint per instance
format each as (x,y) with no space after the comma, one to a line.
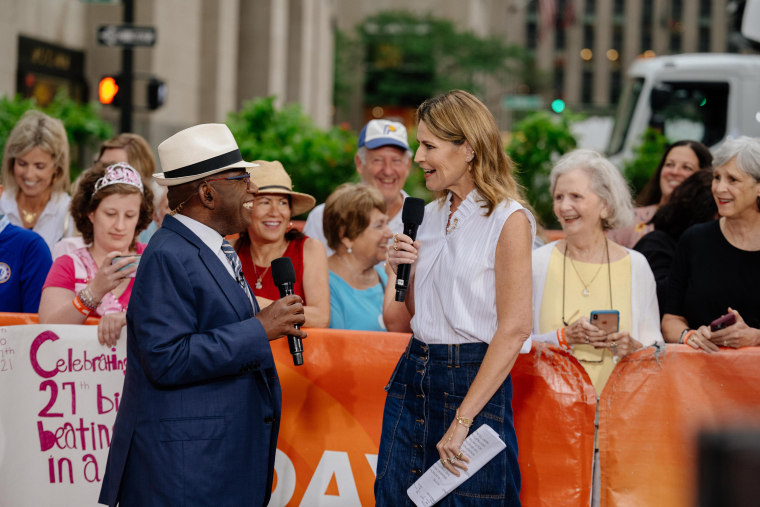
(272,235)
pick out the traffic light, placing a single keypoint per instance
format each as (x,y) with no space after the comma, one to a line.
(156,93)
(108,90)
(558,105)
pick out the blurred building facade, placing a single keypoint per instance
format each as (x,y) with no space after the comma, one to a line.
(213,55)
(581,47)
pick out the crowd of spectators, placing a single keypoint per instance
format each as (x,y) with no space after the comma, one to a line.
(57,251)
(682,267)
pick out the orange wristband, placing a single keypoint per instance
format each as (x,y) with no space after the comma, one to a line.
(561,338)
(81,308)
(688,335)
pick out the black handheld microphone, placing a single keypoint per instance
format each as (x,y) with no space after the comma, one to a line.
(284,277)
(411,215)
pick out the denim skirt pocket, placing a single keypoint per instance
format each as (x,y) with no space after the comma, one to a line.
(393,375)
(487,486)
(394,408)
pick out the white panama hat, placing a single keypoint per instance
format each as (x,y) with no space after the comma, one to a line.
(197,152)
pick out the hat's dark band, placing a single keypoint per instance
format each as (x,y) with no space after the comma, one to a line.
(206,165)
(282,187)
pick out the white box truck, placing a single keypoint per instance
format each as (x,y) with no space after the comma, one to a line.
(705,97)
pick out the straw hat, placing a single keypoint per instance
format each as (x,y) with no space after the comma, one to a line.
(271,178)
(197,152)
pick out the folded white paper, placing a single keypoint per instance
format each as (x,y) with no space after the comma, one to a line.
(480,447)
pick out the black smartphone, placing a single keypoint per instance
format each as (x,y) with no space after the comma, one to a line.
(606,320)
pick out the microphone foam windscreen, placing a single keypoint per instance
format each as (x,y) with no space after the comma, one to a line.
(413,211)
(282,271)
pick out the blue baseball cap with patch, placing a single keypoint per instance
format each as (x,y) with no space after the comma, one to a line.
(379,133)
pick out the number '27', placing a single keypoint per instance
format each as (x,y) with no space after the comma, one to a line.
(44,385)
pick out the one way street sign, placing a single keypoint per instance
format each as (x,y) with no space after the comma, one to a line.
(126,35)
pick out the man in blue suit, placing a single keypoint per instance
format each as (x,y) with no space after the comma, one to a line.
(200,409)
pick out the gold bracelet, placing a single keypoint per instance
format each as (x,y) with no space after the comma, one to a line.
(467,423)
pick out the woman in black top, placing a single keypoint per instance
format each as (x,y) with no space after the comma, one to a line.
(716,269)
(690,203)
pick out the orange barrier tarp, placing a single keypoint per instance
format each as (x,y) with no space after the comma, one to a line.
(554,405)
(333,405)
(651,411)
(20,319)
(335,400)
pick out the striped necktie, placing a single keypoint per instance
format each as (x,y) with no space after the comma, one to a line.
(237,268)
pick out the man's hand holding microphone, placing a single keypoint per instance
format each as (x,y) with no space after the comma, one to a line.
(285,316)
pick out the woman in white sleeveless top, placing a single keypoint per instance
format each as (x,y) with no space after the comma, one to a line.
(470,300)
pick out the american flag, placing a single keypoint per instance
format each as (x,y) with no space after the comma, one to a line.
(547,13)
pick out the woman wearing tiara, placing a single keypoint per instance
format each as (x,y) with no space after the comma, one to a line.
(110,208)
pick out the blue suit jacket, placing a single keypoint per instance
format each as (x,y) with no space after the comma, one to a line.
(200,409)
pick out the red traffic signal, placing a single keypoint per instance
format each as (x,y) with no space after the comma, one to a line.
(108,90)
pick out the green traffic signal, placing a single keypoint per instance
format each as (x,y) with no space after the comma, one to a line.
(558,105)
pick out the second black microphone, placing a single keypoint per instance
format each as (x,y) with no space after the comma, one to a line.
(284,277)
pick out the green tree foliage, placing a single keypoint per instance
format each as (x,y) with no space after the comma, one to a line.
(537,141)
(84,127)
(646,156)
(316,160)
(415,183)
(346,59)
(409,58)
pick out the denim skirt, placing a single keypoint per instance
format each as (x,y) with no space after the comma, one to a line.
(423,394)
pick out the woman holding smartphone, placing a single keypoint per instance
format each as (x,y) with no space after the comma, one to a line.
(111,206)
(591,295)
(587,272)
(716,269)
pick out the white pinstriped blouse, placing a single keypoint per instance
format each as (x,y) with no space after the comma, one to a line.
(454,284)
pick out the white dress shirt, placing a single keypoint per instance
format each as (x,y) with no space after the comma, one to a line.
(211,239)
(454,283)
(54,222)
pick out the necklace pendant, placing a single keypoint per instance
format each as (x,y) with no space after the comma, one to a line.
(258,284)
(586,293)
(28,216)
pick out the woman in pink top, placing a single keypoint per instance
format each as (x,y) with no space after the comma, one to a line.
(110,209)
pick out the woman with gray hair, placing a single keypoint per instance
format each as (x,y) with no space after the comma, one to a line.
(716,269)
(591,295)
(587,272)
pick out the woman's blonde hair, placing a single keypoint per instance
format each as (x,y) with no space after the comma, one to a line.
(458,116)
(138,150)
(35,129)
(347,211)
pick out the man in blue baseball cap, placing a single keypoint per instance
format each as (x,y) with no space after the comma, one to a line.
(383,159)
